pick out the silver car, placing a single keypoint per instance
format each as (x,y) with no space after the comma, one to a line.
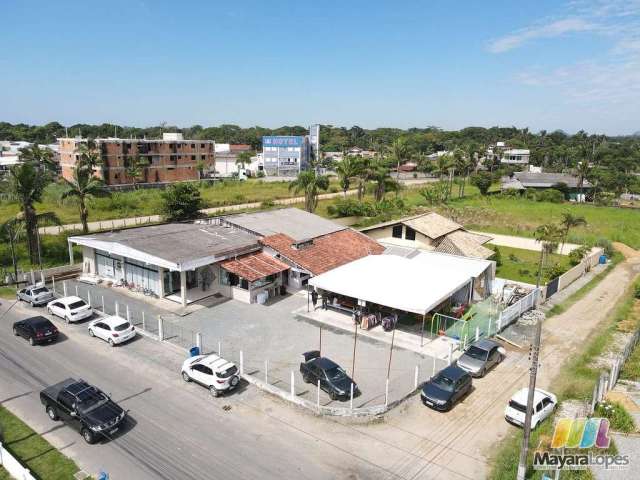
(35,295)
(481,356)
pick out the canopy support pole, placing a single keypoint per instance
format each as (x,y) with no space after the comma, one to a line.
(424,315)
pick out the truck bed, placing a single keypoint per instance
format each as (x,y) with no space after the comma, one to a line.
(51,392)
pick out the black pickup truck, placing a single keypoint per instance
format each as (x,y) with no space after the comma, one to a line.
(84,407)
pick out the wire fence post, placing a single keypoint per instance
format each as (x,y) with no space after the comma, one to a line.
(64,288)
(477,333)
(160,327)
(89,297)
(144,327)
(128,313)
(117,308)
(351,399)
(103,304)
(53,283)
(77,295)
(293,391)
(415,378)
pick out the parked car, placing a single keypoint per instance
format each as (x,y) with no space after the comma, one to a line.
(211,371)
(36,295)
(71,309)
(36,330)
(481,356)
(543,405)
(112,329)
(83,407)
(333,379)
(446,389)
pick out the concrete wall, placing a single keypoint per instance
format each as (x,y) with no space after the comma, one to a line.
(88,260)
(570,276)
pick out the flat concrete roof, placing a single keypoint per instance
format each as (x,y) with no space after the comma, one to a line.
(293,222)
(177,246)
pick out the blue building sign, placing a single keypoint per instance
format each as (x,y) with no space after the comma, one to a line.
(282,141)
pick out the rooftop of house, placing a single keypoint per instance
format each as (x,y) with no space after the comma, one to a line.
(429,224)
(177,246)
(292,222)
(521,180)
(254,266)
(326,252)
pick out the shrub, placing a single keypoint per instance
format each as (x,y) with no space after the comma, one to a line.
(636,292)
(333,189)
(550,195)
(350,207)
(555,271)
(576,256)
(260,174)
(497,256)
(531,194)
(415,175)
(181,201)
(513,258)
(482,180)
(606,245)
(619,418)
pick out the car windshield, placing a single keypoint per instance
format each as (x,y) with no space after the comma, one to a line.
(443,382)
(39,290)
(122,326)
(517,406)
(90,399)
(228,372)
(336,373)
(78,304)
(477,353)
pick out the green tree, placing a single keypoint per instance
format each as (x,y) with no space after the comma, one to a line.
(568,222)
(243,159)
(482,180)
(26,184)
(347,169)
(84,186)
(400,153)
(378,172)
(10,231)
(310,183)
(549,235)
(181,201)
(41,157)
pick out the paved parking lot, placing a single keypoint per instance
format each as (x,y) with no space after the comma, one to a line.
(271,333)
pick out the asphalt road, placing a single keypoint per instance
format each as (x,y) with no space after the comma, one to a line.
(175,431)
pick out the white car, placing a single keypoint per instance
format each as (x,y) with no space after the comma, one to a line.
(211,371)
(71,309)
(543,405)
(112,329)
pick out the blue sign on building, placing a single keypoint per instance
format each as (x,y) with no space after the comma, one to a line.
(282,141)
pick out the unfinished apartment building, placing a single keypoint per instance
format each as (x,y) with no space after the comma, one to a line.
(171,159)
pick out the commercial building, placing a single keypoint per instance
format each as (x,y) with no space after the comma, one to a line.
(288,155)
(431,232)
(227,156)
(171,159)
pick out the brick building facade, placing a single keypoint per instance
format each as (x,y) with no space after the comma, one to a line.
(171,159)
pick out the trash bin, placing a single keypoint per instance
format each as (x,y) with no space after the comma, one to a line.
(194,351)
(603,259)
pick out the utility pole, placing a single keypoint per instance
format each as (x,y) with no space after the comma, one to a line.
(533,371)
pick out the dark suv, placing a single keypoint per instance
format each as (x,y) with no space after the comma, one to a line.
(333,379)
(447,388)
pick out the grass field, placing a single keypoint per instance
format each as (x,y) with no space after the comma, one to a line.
(148,201)
(522,265)
(43,460)
(8,293)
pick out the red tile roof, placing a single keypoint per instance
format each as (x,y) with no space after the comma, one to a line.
(255,266)
(326,252)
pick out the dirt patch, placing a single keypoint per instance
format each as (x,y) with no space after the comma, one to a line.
(623,399)
(626,250)
(573,409)
(619,341)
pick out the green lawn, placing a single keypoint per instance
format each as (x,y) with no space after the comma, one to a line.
(8,293)
(43,460)
(522,265)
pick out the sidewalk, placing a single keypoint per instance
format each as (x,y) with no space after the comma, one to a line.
(438,347)
(523,242)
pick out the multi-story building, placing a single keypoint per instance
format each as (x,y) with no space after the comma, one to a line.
(171,159)
(509,156)
(288,155)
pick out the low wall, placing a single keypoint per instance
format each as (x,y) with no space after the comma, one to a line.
(570,276)
(13,466)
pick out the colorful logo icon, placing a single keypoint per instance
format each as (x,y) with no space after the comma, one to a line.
(581,433)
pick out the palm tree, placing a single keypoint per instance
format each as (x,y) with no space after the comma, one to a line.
(11,229)
(583,170)
(310,184)
(400,153)
(378,172)
(347,169)
(26,184)
(362,174)
(243,158)
(568,222)
(84,186)
(41,157)
(548,235)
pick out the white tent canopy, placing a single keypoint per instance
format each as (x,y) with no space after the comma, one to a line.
(417,284)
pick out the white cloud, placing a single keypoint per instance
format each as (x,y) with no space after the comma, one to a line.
(551,30)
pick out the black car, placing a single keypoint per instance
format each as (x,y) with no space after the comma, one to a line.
(447,388)
(333,379)
(83,407)
(36,329)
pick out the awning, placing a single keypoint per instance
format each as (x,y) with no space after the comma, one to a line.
(254,266)
(415,285)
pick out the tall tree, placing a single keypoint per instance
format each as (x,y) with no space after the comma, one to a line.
(181,201)
(40,157)
(549,235)
(400,153)
(310,183)
(243,159)
(26,184)
(568,222)
(11,230)
(347,169)
(378,172)
(84,186)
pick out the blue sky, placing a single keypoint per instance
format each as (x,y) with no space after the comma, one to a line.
(544,64)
